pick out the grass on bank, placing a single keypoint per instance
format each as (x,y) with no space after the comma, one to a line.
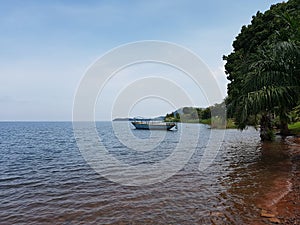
(295,128)
(217,123)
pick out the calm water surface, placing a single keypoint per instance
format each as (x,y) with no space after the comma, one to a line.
(45,179)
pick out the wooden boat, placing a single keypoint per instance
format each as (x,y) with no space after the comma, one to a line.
(153,125)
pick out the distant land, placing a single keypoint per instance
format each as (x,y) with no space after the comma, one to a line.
(186,114)
(159,118)
(194,115)
(123,119)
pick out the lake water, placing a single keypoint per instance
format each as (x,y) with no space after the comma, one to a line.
(45,179)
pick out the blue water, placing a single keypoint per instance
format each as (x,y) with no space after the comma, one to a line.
(46,180)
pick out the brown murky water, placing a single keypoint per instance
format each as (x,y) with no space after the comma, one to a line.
(45,180)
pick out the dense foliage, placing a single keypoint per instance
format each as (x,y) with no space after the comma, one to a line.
(189,114)
(215,116)
(263,69)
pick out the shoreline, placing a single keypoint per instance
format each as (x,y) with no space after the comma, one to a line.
(282,202)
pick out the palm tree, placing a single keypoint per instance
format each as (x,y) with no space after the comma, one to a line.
(271,87)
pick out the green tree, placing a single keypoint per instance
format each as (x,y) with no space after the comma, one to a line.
(264,69)
(206,113)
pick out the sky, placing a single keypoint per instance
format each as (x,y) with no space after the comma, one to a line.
(47,47)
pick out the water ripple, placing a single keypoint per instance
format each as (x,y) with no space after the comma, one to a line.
(45,180)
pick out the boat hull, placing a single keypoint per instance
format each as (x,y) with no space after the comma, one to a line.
(153,126)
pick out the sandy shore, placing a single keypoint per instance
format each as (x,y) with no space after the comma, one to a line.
(282,203)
